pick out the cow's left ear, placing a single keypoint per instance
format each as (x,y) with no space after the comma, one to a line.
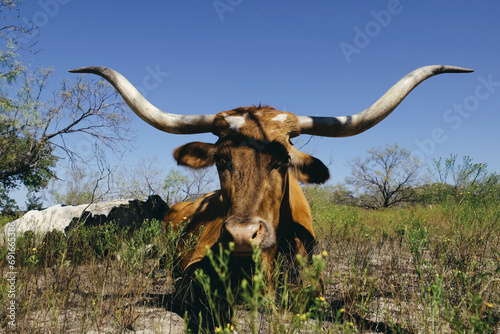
(308,169)
(195,155)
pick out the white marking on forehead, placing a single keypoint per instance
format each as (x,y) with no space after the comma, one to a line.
(235,122)
(280,118)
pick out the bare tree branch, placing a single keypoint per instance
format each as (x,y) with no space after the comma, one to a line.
(387,177)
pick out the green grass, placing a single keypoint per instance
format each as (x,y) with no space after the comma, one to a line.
(419,269)
(403,270)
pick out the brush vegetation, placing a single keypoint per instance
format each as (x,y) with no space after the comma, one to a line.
(429,267)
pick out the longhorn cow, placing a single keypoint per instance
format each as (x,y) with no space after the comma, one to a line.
(260,201)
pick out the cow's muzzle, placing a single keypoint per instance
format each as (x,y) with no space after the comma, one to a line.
(247,232)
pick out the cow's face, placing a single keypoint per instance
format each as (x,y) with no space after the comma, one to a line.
(254,158)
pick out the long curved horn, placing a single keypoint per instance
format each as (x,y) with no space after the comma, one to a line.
(171,123)
(352,125)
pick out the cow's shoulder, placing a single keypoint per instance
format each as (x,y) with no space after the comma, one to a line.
(174,214)
(206,207)
(203,218)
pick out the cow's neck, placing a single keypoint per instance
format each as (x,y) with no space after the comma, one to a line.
(295,213)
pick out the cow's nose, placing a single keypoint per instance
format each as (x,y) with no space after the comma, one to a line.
(244,234)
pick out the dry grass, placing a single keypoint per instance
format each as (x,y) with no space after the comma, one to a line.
(413,270)
(430,270)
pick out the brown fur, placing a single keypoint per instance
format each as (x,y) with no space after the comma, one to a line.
(259,171)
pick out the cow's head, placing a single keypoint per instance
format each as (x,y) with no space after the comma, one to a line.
(254,155)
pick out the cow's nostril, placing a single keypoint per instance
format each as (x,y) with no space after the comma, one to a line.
(258,231)
(244,234)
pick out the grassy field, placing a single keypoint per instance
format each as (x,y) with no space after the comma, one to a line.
(421,269)
(416,270)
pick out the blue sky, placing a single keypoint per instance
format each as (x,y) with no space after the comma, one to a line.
(327,58)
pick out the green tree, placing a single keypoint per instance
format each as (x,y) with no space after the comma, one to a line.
(386,177)
(35,124)
(330,194)
(463,180)
(33,202)
(16,36)
(34,129)
(180,187)
(81,186)
(139,181)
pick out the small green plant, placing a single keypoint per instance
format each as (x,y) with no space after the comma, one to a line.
(418,241)
(174,243)
(140,246)
(95,243)
(312,281)
(253,292)
(220,296)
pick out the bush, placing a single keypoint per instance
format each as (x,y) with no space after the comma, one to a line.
(466,181)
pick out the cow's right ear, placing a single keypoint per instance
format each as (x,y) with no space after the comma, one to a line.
(308,169)
(195,155)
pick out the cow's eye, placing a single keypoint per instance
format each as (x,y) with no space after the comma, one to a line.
(218,159)
(279,164)
(221,163)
